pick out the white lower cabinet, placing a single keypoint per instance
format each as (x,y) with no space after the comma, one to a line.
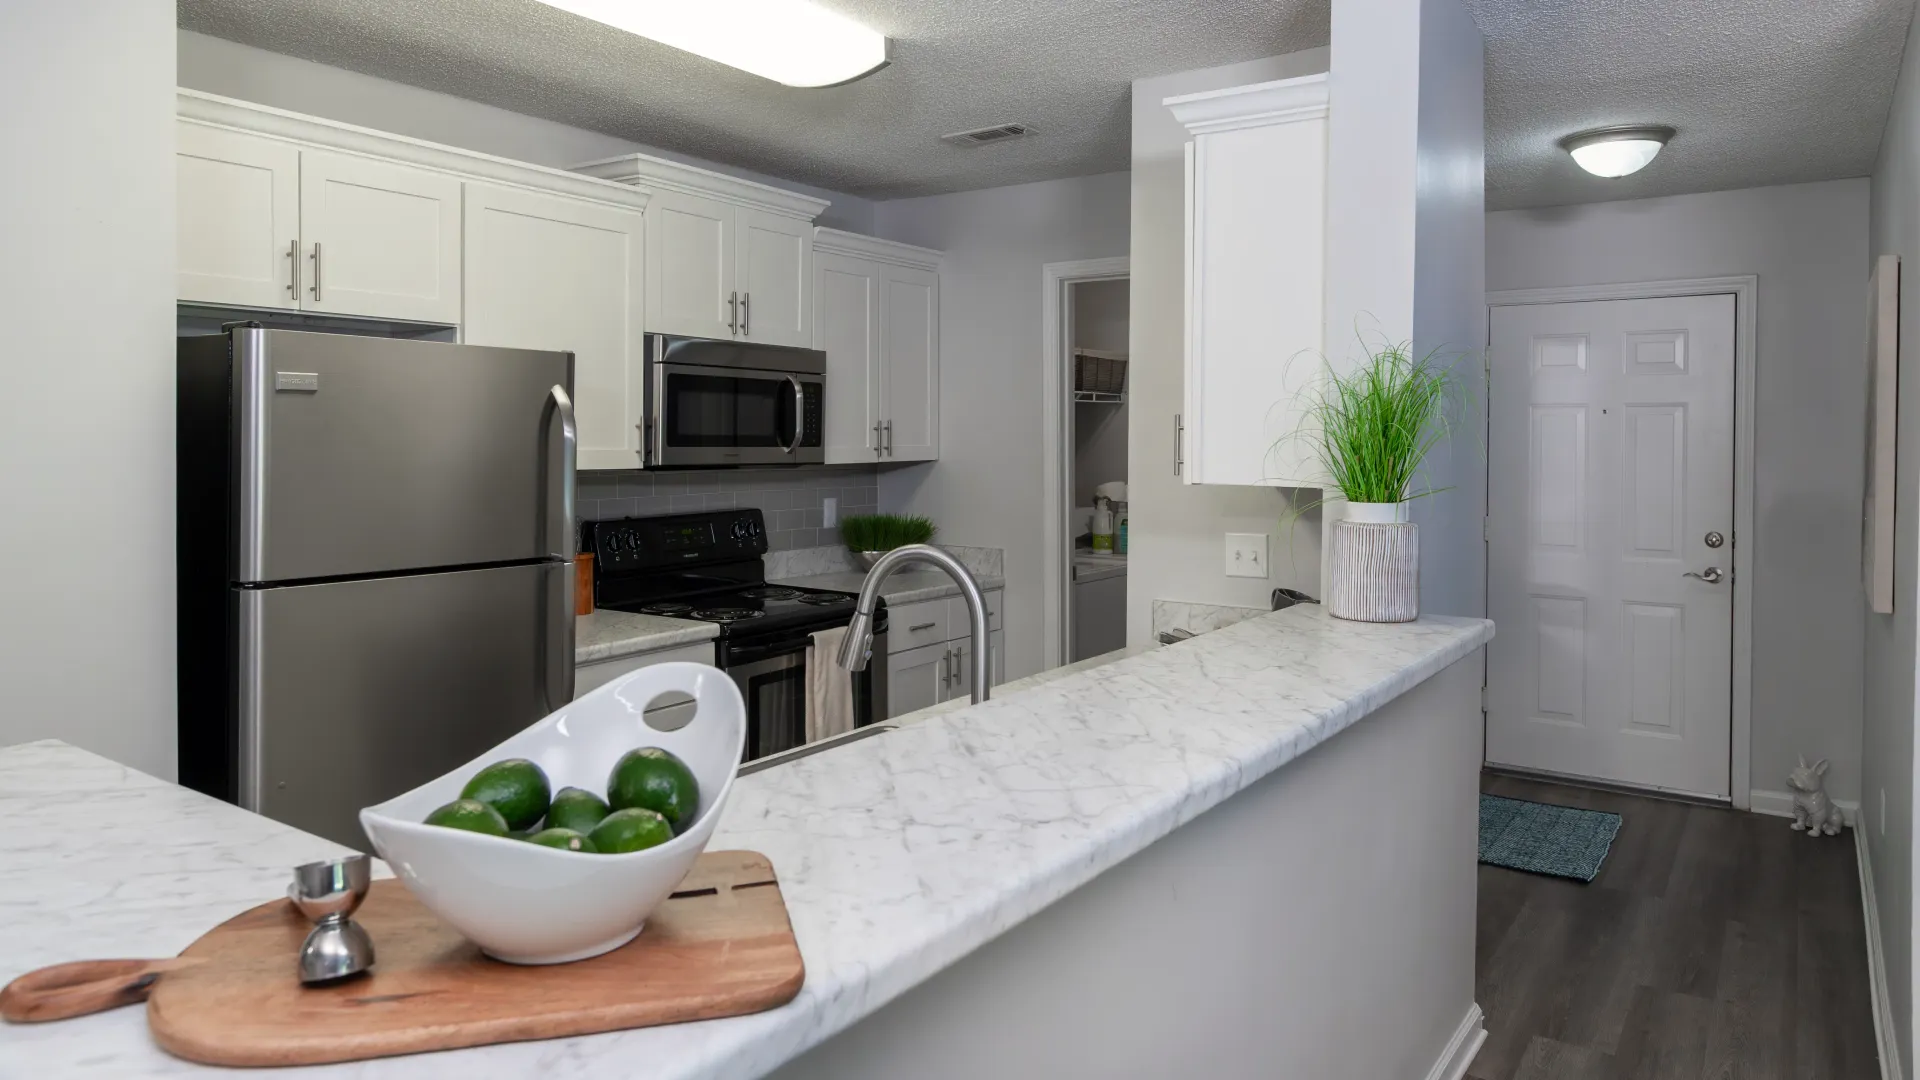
(550,272)
(930,652)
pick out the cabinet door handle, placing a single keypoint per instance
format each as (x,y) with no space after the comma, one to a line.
(293,270)
(733,313)
(945,657)
(876,438)
(917,627)
(888,427)
(1179,444)
(745,312)
(316,270)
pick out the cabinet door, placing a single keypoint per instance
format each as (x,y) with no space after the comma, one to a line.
(774,272)
(847,329)
(239,217)
(999,663)
(382,240)
(546,272)
(689,266)
(916,678)
(910,316)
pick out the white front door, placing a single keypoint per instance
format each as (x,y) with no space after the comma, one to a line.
(1610,486)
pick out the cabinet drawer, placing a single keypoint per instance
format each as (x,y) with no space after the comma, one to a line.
(957,612)
(925,623)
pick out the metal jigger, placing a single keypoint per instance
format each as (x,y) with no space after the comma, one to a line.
(328,892)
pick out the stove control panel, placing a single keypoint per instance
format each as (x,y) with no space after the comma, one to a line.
(651,543)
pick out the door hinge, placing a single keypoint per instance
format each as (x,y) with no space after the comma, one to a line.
(1483,701)
(1486,530)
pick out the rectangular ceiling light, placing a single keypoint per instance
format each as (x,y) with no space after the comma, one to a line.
(795,42)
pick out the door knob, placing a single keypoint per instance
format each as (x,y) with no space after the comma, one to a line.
(1711,575)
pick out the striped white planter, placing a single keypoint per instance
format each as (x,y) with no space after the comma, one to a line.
(1374,565)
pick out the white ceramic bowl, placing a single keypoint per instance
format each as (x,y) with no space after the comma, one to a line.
(528,904)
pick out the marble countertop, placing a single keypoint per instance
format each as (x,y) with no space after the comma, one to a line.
(1028,683)
(903,587)
(898,854)
(608,635)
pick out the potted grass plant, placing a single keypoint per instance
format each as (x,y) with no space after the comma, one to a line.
(1375,426)
(870,536)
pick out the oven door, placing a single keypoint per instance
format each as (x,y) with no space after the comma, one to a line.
(772,677)
(703,416)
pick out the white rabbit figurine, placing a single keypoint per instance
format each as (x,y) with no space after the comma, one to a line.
(1812,810)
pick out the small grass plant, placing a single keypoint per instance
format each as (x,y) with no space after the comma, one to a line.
(1374,426)
(884,532)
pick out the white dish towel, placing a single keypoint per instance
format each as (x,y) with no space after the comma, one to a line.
(829,687)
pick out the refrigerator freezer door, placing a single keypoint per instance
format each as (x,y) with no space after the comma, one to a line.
(352,692)
(361,455)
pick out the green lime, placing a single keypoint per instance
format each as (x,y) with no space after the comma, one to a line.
(471,815)
(564,839)
(655,780)
(515,787)
(577,809)
(633,829)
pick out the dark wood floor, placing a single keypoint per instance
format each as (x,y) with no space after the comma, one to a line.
(1713,944)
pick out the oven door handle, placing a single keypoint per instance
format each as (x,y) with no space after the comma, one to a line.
(799,414)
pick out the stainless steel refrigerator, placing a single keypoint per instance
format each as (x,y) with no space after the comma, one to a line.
(375,563)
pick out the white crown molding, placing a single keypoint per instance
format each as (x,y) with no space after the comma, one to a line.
(641,171)
(856,246)
(1284,101)
(215,111)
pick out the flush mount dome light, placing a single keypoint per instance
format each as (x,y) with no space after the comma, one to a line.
(1616,151)
(794,42)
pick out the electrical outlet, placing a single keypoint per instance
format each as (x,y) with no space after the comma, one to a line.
(1247,555)
(829,512)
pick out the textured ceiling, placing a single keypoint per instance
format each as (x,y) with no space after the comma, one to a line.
(1761,91)
(1063,66)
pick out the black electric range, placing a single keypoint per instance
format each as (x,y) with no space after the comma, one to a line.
(709,567)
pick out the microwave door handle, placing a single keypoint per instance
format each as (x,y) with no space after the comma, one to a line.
(799,414)
(556,515)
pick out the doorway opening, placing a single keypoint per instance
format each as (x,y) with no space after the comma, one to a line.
(1086,324)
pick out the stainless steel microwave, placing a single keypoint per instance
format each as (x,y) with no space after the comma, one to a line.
(716,403)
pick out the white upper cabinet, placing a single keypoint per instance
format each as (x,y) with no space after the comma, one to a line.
(383,240)
(847,329)
(239,217)
(910,319)
(1256,242)
(550,272)
(877,317)
(726,258)
(774,268)
(690,266)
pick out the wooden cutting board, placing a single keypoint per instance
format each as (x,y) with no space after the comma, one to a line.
(721,946)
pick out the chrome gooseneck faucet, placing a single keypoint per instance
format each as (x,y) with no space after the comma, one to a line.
(857,648)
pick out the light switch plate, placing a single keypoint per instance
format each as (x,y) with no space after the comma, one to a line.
(1247,555)
(829,512)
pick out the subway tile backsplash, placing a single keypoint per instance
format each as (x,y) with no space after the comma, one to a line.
(790,498)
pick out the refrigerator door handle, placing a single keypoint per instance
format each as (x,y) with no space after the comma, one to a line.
(556,515)
(556,631)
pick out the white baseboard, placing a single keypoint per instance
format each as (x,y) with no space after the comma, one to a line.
(1461,1048)
(1876,965)
(1780,804)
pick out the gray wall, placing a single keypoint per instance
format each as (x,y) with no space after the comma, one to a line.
(1887,743)
(1808,245)
(1175,531)
(986,490)
(231,69)
(86,392)
(1099,430)
(790,498)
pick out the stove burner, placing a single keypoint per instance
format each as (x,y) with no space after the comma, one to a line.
(771,592)
(824,599)
(726,615)
(666,609)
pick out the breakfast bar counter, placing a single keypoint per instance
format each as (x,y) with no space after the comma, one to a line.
(1252,853)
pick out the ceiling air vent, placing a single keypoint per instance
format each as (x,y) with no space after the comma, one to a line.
(982,136)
